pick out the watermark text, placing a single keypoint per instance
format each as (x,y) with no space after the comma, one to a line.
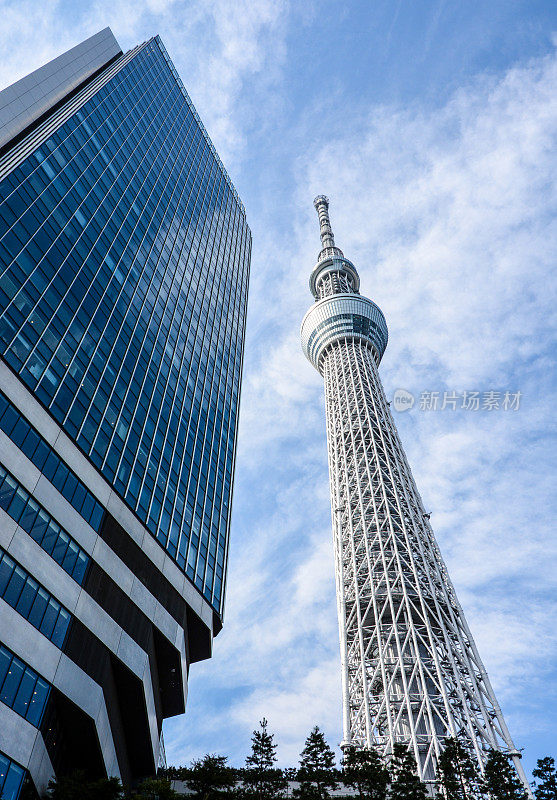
(471,400)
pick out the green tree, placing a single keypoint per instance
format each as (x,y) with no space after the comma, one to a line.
(405,783)
(500,780)
(546,774)
(159,788)
(210,777)
(317,773)
(174,773)
(458,776)
(77,786)
(364,771)
(261,779)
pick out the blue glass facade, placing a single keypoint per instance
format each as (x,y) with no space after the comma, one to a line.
(124,261)
(43,456)
(11,778)
(39,524)
(21,688)
(35,604)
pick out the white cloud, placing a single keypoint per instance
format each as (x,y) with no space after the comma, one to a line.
(217,45)
(448,214)
(29,37)
(220,45)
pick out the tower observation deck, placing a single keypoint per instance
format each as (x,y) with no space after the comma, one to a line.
(411,672)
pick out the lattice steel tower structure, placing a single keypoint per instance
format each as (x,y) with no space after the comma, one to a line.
(411,671)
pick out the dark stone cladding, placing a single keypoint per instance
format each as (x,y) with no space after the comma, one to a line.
(64,723)
(122,689)
(69,734)
(198,638)
(125,704)
(118,605)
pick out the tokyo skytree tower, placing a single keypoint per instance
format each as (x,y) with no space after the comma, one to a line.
(411,672)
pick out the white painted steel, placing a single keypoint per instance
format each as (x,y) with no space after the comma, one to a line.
(338,315)
(411,671)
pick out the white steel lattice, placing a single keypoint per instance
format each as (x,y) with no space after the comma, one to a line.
(411,671)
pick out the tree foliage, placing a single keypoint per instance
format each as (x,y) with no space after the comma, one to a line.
(317,774)
(159,788)
(545,787)
(260,779)
(457,774)
(78,786)
(500,780)
(364,771)
(210,778)
(405,783)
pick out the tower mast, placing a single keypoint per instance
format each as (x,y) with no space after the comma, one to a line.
(411,672)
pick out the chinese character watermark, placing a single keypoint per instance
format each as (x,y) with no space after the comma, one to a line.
(470,400)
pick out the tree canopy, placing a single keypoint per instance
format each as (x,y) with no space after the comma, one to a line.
(364,771)
(545,786)
(317,773)
(458,777)
(373,778)
(405,783)
(78,786)
(210,777)
(260,779)
(500,780)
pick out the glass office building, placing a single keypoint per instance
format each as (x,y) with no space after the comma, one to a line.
(124,267)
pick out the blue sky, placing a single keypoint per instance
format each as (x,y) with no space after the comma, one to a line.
(431,126)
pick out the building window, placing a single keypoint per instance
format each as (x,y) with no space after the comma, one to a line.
(11,778)
(53,539)
(21,688)
(51,465)
(32,601)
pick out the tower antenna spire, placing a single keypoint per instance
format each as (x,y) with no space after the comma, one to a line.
(321,204)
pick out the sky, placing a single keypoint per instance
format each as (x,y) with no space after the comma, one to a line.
(432,128)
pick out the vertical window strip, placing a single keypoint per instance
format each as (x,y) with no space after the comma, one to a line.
(11,778)
(181,165)
(33,601)
(21,688)
(41,454)
(29,515)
